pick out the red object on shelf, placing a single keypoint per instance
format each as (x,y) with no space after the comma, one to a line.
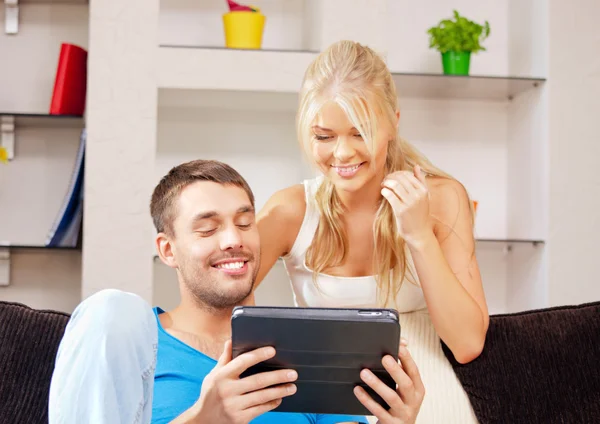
(70,84)
(236,7)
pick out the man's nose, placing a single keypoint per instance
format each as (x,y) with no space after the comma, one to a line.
(231,238)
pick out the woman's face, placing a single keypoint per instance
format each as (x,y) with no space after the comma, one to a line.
(341,153)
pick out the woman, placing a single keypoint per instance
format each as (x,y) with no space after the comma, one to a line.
(381,226)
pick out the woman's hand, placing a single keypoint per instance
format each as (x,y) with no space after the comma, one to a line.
(408,195)
(406,401)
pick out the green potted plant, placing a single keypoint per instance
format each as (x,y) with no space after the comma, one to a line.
(456,40)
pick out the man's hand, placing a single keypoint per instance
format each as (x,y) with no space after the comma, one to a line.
(406,401)
(227,399)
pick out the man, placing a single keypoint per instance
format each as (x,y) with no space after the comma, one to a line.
(122,362)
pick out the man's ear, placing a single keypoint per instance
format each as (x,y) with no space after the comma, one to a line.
(164,247)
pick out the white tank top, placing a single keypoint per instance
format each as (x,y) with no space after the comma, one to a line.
(334,291)
(446,401)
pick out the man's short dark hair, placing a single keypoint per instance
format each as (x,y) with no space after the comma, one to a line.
(162,205)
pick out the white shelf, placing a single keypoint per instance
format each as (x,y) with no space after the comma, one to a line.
(228,69)
(471,87)
(12,12)
(38,2)
(214,68)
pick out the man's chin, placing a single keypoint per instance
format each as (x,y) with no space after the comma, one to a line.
(229,300)
(235,288)
(221,290)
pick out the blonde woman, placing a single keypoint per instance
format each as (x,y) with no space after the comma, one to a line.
(381,226)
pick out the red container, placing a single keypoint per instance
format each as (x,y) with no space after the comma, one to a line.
(68,96)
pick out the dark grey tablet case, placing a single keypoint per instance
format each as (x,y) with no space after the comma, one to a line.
(327,347)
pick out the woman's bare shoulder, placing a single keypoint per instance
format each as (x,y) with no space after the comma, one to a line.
(449,200)
(282,215)
(446,190)
(288,203)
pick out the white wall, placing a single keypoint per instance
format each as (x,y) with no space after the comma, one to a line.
(253,132)
(44,279)
(407,27)
(32,186)
(468,139)
(30,57)
(193,23)
(121,146)
(574,90)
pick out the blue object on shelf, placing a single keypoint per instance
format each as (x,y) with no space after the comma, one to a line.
(66,228)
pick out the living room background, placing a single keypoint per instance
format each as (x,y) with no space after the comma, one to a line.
(519,132)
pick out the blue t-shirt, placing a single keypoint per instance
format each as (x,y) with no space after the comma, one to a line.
(180,370)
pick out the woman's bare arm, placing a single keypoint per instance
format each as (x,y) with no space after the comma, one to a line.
(279,222)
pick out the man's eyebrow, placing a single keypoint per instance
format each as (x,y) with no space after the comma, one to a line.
(245,209)
(212,214)
(205,215)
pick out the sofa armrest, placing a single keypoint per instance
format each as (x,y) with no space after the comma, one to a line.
(29,341)
(540,366)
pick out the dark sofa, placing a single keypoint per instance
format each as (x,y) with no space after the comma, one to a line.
(537,366)
(540,366)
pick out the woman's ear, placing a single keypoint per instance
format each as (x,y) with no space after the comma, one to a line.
(397,119)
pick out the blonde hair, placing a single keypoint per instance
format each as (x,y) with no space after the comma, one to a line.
(358,80)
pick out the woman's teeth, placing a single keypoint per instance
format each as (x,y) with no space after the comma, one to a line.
(347,171)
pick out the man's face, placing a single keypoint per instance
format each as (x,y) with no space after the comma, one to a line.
(216,244)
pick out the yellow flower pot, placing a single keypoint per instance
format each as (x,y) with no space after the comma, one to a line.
(243,30)
(3,155)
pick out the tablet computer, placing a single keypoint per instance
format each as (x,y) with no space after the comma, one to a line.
(328,347)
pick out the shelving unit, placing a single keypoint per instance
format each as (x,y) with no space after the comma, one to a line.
(34,182)
(239,106)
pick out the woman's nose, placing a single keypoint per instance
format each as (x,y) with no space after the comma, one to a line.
(343,150)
